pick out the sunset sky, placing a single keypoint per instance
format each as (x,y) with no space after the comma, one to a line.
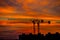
(24,11)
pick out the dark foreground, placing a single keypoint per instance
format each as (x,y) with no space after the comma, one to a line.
(40,36)
(8,39)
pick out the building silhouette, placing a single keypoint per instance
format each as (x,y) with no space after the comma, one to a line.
(40,36)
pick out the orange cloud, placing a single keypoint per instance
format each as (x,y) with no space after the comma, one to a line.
(41,9)
(7,10)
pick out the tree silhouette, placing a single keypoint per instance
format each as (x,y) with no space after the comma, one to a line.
(49,22)
(33,26)
(38,22)
(42,21)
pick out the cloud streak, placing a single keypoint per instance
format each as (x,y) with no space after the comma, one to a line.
(34,7)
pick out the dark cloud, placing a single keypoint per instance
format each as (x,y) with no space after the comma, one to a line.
(13,3)
(7,2)
(2,3)
(54,7)
(10,3)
